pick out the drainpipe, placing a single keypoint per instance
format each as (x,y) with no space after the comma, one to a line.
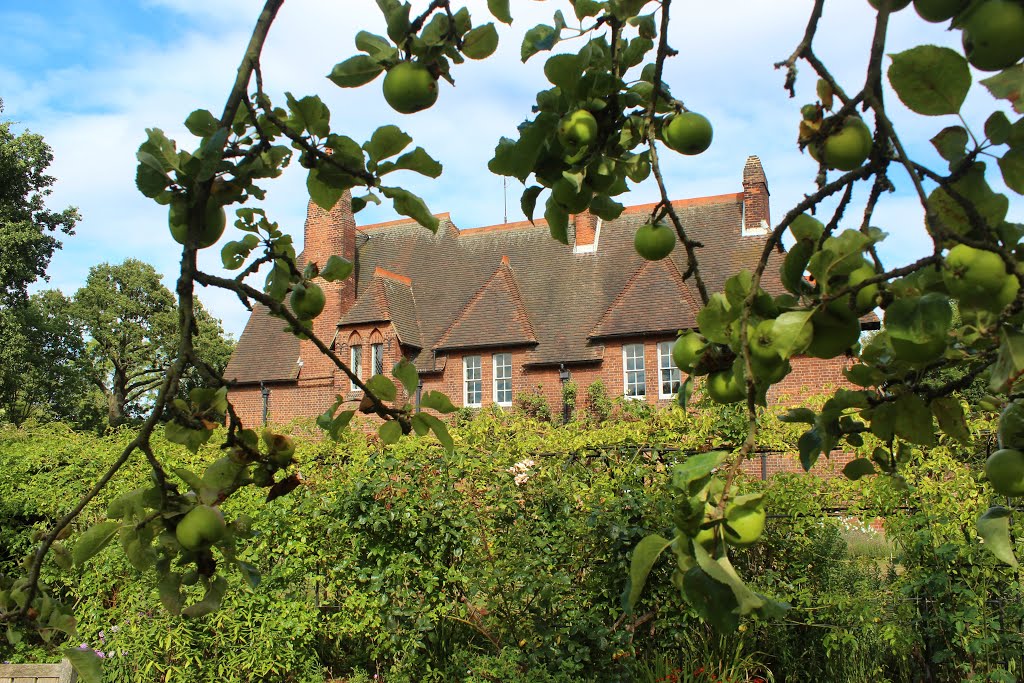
(563,377)
(265,392)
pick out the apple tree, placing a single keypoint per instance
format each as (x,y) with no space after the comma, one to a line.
(600,124)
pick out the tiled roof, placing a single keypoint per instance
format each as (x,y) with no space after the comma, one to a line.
(560,302)
(654,300)
(495,316)
(265,352)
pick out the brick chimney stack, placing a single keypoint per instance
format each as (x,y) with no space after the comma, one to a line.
(756,216)
(328,233)
(586,231)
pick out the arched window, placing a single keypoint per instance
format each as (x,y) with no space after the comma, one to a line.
(376,353)
(355,351)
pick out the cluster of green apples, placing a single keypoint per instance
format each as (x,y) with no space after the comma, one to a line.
(992,31)
(839,143)
(1005,467)
(701,515)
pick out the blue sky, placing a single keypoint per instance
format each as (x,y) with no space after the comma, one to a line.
(92,75)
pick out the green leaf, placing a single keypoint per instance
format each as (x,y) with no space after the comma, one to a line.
(921,320)
(861,467)
(1009,362)
(435,400)
(309,113)
(994,529)
(587,8)
(930,80)
(355,71)
(951,143)
(150,181)
(500,10)
(381,387)
(417,160)
(420,425)
(211,600)
(169,588)
(408,204)
(913,420)
(1012,166)
(202,123)
(386,142)
(998,128)
(93,540)
(390,432)
(158,151)
(557,219)
(87,663)
(190,438)
(481,42)
(696,467)
(605,208)
(991,206)
(376,46)
(336,268)
(193,481)
(528,202)
(795,265)
(1008,85)
(564,71)
(799,415)
(405,372)
(334,425)
(645,554)
(436,30)
(715,318)
(950,414)
(249,572)
(539,38)
(440,430)
(793,332)
(810,445)
(322,190)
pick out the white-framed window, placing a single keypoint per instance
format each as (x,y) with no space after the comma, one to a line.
(473,385)
(356,364)
(668,374)
(377,358)
(633,375)
(502,379)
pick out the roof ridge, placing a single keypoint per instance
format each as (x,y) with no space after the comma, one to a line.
(381,272)
(403,221)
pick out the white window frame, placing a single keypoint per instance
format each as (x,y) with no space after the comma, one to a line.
(476,378)
(501,365)
(377,358)
(356,364)
(638,371)
(667,367)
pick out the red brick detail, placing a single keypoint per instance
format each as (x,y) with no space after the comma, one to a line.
(755,195)
(586,228)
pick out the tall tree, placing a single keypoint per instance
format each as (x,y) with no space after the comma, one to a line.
(42,375)
(131,323)
(28,230)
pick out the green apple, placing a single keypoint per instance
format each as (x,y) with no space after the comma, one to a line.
(1005,471)
(307,300)
(993,35)
(687,133)
(744,523)
(974,276)
(894,5)
(577,130)
(1011,426)
(213,226)
(833,334)
(867,297)
(202,526)
(281,447)
(409,87)
(806,227)
(847,148)
(687,351)
(724,387)
(939,10)
(654,241)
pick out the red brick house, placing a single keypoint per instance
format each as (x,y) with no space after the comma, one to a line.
(488,313)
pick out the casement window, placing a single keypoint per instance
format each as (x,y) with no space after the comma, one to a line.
(473,385)
(668,373)
(377,358)
(356,364)
(502,379)
(633,370)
